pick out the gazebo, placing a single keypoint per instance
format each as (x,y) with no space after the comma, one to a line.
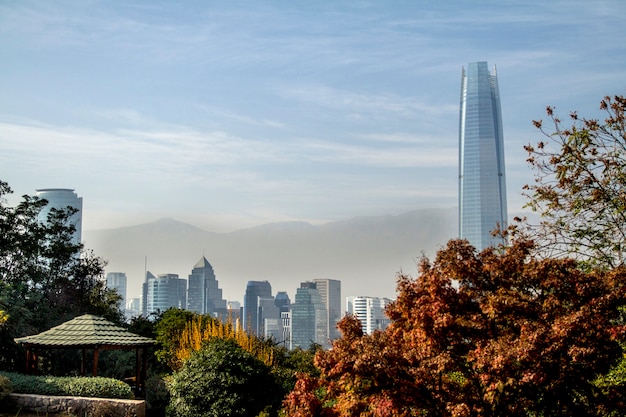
(89,332)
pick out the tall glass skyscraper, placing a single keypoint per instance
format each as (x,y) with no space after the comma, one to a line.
(482,182)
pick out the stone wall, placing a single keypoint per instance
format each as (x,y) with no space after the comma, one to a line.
(81,406)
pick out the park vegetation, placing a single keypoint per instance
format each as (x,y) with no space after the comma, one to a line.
(534,328)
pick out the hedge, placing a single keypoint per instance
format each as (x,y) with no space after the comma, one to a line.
(98,387)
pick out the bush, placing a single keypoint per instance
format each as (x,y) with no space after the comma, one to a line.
(5,389)
(97,387)
(220,380)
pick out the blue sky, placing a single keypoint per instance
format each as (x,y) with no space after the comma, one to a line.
(229,114)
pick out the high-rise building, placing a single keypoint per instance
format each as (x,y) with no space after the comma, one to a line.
(117,281)
(203,294)
(309,320)
(282,301)
(133,307)
(370,311)
(144,294)
(254,290)
(62,198)
(482,182)
(330,293)
(165,291)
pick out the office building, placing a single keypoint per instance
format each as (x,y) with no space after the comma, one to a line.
(330,294)
(254,291)
(62,198)
(165,291)
(370,311)
(482,182)
(133,307)
(285,318)
(282,301)
(203,293)
(117,281)
(309,320)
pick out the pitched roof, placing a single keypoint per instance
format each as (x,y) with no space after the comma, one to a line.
(85,331)
(203,263)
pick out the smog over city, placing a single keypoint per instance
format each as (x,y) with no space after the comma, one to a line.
(283,141)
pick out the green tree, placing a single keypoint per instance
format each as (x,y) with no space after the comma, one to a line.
(168,328)
(580,186)
(44,280)
(221,380)
(500,333)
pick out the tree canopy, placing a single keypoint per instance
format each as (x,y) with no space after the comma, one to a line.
(580,186)
(222,379)
(45,278)
(490,334)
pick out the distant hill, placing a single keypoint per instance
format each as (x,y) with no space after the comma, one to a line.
(365,253)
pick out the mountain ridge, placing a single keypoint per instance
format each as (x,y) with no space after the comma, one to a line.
(365,253)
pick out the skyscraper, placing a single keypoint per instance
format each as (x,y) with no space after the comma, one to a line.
(61,198)
(482,182)
(117,281)
(203,294)
(165,291)
(370,311)
(254,291)
(309,319)
(330,294)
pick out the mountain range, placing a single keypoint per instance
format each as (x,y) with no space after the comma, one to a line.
(364,253)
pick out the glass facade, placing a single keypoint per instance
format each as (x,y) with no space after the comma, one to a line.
(254,291)
(482,181)
(330,293)
(165,291)
(309,321)
(117,281)
(204,295)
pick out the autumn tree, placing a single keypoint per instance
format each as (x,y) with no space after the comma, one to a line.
(580,186)
(500,333)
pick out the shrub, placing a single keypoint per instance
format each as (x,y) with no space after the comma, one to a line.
(5,389)
(71,386)
(222,379)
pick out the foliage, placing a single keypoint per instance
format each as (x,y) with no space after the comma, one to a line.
(168,327)
(99,387)
(181,333)
(222,379)
(5,387)
(490,334)
(45,278)
(157,395)
(580,186)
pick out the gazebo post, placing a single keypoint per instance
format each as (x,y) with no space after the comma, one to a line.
(95,361)
(82,363)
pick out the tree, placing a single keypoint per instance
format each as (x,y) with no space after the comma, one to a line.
(580,186)
(45,278)
(490,334)
(222,379)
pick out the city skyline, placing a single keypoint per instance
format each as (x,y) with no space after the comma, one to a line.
(228,115)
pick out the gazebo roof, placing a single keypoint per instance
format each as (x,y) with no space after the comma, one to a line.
(86,331)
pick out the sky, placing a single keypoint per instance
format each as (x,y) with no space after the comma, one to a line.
(232,114)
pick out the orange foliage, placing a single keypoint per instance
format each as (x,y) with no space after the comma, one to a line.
(490,334)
